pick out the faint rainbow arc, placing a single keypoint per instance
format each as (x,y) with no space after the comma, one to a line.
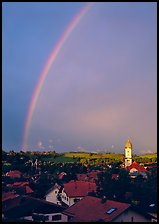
(48,65)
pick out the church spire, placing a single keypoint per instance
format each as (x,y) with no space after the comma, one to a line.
(128,144)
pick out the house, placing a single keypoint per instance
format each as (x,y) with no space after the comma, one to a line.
(8,195)
(52,194)
(151,167)
(115,176)
(75,191)
(14,174)
(135,169)
(9,200)
(93,209)
(20,188)
(91,176)
(61,175)
(33,209)
(153,217)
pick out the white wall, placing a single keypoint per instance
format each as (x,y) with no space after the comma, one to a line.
(28,218)
(126,217)
(52,196)
(67,200)
(133,170)
(64,218)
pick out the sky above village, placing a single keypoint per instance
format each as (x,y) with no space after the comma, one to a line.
(101,88)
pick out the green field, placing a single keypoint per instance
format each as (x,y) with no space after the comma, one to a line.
(94,155)
(85,157)
(59,159)
(153,155)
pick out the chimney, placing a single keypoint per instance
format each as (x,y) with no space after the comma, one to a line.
(104,199)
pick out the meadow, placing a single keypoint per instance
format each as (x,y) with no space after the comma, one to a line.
(86,157)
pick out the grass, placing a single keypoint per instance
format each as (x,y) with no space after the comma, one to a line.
(86,156)
(153,155)
(90,156)
(59,159)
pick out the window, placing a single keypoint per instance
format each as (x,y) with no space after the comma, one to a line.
(38,218)
(110,211)
(56,217)
(151,205)
(76,200)
(47,217)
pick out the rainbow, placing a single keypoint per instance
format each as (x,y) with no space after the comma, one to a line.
(46,69)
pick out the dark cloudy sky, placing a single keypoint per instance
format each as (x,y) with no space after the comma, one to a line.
(102,87)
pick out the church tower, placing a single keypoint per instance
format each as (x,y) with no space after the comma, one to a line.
(128,153)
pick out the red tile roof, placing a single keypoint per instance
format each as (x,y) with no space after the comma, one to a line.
(60,176)
(8,195)
(88,176)
(78,188)
(17,184)
(20,184)
(21,187)
(22,190)
(90,209)
(137,167)
(28,190)
(14,174)
(115,176)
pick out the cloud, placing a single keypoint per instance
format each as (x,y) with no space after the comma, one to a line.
(40,145)
(51,147)
(81,149)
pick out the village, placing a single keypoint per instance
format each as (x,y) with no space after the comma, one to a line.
(37,191)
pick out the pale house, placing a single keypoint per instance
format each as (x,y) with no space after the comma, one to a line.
(52,194)
(74,191)
(93,209)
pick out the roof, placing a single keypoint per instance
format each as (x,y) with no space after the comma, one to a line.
(21,187)
(137,167)
(60,176)
(14,174)
(115,176)
(18,184)
(52,188)
(25,205)
(28,190)
(128,144)
(79,188)
(91,209)
(8,195)
(88,176)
